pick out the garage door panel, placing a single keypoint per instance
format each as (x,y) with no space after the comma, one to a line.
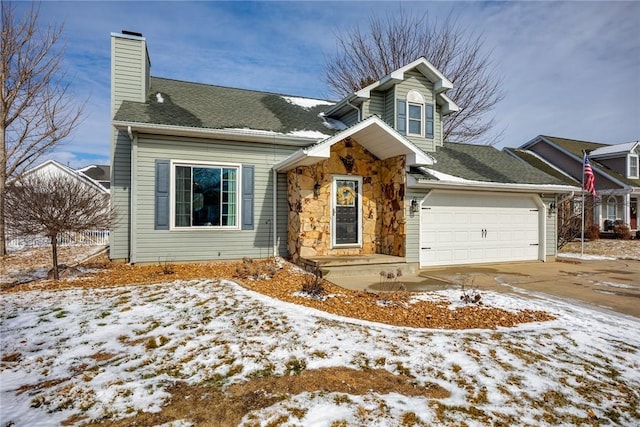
(452,229)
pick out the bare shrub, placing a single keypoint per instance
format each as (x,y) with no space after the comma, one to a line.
(389,281)
(592,232)
(312,285)
(622,231)
(256,270)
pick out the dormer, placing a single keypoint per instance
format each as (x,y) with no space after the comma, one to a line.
(410,99)
(622,158)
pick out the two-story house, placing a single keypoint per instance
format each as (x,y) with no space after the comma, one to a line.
(616,169)
(203,172)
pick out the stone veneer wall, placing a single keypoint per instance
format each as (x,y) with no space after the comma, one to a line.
(383,207)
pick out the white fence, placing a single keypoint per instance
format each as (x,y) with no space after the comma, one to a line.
(85,238)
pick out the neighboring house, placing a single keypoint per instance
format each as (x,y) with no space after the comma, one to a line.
(616,170)
(99,173)
(204,172)
(54,168)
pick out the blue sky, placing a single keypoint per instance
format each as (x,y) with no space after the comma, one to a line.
(569,69)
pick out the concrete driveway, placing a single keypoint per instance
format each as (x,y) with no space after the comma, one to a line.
(611,284)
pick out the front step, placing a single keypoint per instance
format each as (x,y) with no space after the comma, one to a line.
(357,266)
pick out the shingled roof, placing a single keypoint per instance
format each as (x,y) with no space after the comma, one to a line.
(539,163)
(196,105)
(488,164)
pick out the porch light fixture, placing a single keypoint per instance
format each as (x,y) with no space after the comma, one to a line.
(552,207)
(316,190)
(413,208)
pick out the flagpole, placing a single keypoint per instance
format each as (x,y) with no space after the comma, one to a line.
(582,227)
(582,239)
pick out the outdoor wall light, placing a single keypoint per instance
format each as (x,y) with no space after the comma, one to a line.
(552,207)
(413,208)
(316,190)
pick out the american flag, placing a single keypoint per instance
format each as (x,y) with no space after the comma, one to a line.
(589,179)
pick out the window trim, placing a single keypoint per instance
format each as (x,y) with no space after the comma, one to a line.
(635,175)
(172,198)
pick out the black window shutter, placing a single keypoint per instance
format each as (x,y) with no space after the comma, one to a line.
(401,116)
(428,120)
(162,195)
(247,196)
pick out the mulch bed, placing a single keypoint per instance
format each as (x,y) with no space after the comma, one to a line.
(393,308)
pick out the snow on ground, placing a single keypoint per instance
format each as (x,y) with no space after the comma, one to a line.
(110,352)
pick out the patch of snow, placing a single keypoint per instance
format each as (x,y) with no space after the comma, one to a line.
(618,285)
(159,98)
(332,123)
(308,134)
(312,134)
(586,256)
(306,103)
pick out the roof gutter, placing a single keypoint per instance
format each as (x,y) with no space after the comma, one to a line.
(247,135)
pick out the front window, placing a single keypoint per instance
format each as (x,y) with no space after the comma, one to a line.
(612,208)
(633,166)
(206,196)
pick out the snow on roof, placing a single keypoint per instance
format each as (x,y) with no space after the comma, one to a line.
(614,149)
(313,134)
(306,102)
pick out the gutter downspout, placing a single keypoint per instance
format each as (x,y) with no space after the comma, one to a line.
(133,197)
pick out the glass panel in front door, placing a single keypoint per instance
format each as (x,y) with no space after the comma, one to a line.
(346,215)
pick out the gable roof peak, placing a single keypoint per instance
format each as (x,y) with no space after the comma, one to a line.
(440,85)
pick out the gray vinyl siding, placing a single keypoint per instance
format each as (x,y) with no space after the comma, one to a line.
(375,105)
(416,81)
(120,195)
(201,244)
(412,226)
(350,118)
(129,71)
(552,229)
(282,215)
(438,136)
(390,107)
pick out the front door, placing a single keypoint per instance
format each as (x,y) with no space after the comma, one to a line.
(346,211)
(633,215)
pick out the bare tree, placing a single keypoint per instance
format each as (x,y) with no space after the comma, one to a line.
(570,220)
(49,204)
(389,43)
(36,109)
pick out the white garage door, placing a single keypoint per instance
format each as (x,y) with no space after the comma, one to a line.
(462,228)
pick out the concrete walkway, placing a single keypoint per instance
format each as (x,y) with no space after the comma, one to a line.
(612,284)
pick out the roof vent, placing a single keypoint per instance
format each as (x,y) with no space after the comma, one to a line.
(131,33)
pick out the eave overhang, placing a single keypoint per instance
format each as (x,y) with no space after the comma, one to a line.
(247,135)
(373,134)
(412,182)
